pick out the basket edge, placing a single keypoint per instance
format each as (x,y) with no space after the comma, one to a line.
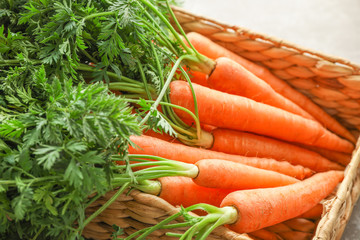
(276,41)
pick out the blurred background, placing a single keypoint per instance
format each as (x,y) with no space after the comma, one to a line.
(330,27)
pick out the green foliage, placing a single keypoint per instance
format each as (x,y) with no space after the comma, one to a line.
(57,132)
(156,120)
(61,142)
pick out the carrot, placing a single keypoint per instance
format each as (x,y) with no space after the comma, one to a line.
(230,77)
(152,146)
(314,213)
(265,235)
(235,112)
(183,191)
(198,78)
(211,173)
(339,157)
(252,145)
(212,50)
(162,136)
(295,235)
(280,227)
(301,224)
(216,173)
(259,208)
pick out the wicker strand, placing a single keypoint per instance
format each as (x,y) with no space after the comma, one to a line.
(329,224)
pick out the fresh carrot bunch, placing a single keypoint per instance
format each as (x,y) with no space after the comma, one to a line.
(257,137)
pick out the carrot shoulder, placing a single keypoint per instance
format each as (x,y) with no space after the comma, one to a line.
(252,145)
(157,147)
(230,77)
(212,50)
(259,208)
(235,112)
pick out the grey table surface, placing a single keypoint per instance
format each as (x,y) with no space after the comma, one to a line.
(331,27)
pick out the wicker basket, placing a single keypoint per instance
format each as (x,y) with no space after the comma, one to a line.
(331,82)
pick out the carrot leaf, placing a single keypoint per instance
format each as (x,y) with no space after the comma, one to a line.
(156,121)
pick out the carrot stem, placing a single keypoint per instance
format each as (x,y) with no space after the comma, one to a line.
(163,167)
(168,226)
(158,29)
(197,141)
(102,14)
(202,62)
(216,217)
(163,90)
(143,78)
(173,217)
(178,128)
(84,67)
(157,226)
(38,232)
(196,109)
(180,28)
(129,87)
(167,23)
(91,58)
(149,186)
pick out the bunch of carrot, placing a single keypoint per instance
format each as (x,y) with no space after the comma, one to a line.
(261,130)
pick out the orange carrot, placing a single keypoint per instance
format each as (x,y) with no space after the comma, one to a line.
(152,146)
(301,224)
(295,235)
(235,112)
(188,193)
(162,136)
(212,173)
(216,173)
(230,77)
(265,235)
(280,227)
(259,208)
(198,78)
(212,50)
(314,213)
(252,145)
(339,157)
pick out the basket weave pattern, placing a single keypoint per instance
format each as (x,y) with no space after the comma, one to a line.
(136,211)
(331,82)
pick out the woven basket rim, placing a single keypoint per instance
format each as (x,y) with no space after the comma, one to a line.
(277,42)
